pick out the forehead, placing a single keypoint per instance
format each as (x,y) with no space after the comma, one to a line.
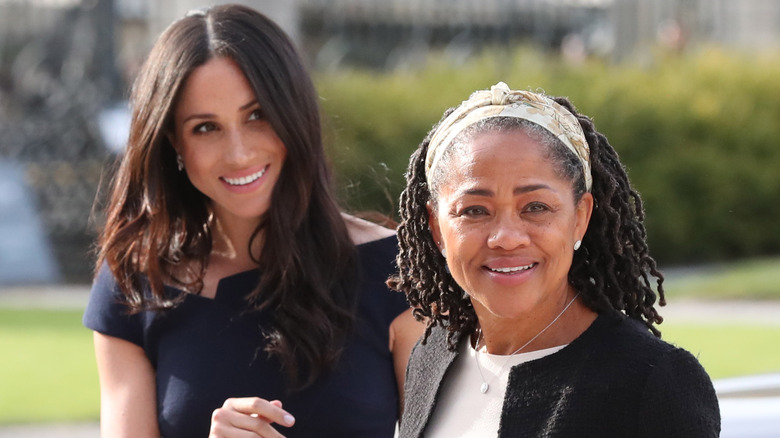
(219,81)
(499,160)
(509,150)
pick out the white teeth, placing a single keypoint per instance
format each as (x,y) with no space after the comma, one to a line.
(514,269)
(244,180)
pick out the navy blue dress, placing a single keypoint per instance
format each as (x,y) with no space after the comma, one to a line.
(205,351)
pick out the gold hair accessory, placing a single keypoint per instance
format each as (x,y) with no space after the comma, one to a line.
(500,101)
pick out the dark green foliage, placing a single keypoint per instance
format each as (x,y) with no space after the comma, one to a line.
(700,136)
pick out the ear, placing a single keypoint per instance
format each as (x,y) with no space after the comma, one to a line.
(433,223)
(583,212)
(171,136)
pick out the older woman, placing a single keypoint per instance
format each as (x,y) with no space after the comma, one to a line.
(522,246)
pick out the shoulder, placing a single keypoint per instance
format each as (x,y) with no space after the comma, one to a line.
(107,311)
(625,333)
(680,391)
(619,341)
(625,347)
(671,383)
(362,231)
(376,245)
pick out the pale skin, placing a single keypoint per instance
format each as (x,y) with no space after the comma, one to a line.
(234,157)
(508,223)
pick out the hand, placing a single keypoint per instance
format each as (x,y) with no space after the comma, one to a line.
(249,417)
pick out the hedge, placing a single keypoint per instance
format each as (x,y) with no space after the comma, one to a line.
(699,135)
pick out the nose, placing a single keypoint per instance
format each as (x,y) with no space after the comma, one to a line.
(508,232)
(238,150)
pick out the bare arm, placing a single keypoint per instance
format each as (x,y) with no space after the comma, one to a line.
(128,405)
(404,333)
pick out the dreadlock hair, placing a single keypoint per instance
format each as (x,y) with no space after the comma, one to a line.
(612,269)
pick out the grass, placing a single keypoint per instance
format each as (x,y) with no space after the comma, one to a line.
(728,350)
(750,279)
(48,371)
(52,376)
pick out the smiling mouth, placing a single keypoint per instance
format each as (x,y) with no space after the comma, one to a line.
(245,179)
(513,269)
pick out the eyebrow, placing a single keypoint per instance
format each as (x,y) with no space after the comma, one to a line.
(211,116)
(517,191)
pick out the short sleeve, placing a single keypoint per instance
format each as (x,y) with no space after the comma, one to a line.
(377,259)
(679,399)
(107,314)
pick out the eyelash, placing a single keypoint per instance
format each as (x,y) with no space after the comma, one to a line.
(534,207)
(260,114)
(209,126)
(473,211)
(198,129)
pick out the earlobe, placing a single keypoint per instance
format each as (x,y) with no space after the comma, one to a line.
(172,140)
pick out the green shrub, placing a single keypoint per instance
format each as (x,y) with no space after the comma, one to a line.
(699,136)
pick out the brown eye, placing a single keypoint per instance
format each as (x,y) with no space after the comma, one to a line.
(257,115)
(474,211)
(536,207)
(203,128)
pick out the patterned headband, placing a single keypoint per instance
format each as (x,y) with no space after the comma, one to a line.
(500,101)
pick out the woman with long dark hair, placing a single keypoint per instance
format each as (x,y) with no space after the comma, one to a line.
(230,287)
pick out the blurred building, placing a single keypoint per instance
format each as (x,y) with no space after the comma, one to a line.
(388,34)
(65,66)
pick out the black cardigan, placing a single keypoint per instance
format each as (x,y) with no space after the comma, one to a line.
(615,380)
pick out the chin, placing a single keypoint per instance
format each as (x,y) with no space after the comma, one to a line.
(506,309)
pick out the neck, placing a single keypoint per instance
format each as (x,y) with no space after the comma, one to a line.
(535,330)
(230,242)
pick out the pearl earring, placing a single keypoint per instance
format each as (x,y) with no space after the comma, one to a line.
(577,245)
(179,162)
(444,252)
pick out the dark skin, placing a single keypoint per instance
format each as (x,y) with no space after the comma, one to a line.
(613,269)
(508,222)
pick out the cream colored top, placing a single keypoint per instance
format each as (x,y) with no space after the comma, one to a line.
(462,410)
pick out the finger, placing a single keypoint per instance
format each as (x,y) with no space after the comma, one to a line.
(228,423)
(276,403)
(271,411)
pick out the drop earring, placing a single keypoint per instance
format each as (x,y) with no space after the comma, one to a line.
(443,251)
(577,245)
(179,162)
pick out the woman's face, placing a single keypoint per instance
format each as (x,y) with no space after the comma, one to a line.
(508,224)
(230,152)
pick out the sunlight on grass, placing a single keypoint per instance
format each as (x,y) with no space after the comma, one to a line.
(52,374)
(728,350)
(752,279)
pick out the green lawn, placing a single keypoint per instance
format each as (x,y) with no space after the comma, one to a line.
(750,279)
(728,350)
(48,370)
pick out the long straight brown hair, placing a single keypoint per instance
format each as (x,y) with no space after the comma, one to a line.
(158,222)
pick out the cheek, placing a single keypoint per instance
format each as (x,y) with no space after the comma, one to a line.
(461,240)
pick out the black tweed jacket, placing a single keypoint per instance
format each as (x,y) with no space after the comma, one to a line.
(615,380)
